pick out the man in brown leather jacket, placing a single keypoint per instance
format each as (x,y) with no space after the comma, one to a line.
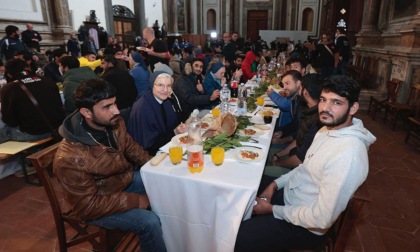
(96,165)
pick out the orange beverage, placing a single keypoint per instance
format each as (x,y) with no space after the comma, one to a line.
(217,155)
(215,112)
(195,158)
(175,154)
(260,101)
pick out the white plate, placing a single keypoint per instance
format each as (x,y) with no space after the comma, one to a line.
(258,132)
(240,150)
(175,139)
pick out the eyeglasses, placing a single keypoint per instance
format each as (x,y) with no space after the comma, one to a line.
(163,86)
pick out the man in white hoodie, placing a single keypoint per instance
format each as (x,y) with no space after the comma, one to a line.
(296,210)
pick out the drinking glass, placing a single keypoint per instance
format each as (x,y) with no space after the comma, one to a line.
(215,112)
(260,101)
(175,154)
(267,116)
(217,155)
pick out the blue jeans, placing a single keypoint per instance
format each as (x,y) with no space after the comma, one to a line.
(144,223)
(14,133)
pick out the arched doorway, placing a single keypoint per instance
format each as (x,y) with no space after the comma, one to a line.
(124,25)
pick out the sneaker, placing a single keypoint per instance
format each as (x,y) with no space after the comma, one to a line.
(29,170)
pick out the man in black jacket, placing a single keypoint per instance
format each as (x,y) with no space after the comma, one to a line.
(23,120)
(31,37)
(126,91)
(190,91)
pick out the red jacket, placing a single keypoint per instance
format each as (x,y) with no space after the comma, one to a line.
(246,66)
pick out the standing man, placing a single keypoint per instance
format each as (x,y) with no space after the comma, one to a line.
(190,90)
(73,45)
(156,49)
(96,164)
(229,48)
(325,51)
(342,55)
(303,204)
(11,43)
(31,37)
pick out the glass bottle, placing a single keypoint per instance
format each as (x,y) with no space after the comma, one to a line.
(224,99)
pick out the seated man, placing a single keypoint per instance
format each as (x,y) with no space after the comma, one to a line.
(303,204)
(96,164)
(23,120)
(190,91)
(73,74)
(153,121)
(294,154)
(89,60)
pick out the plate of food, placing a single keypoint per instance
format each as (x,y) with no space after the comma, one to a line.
(250,131)
(249,154)
(233,100)
(181,139)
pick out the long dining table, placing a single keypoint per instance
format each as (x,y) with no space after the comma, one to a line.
(203,211)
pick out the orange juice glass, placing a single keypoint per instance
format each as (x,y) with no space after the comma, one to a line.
(260,101)
(215,112)
(175,154)
(217,155)
(195,158)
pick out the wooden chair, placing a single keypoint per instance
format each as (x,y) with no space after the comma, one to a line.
(339,232)
(393,89)
(100,238)
(413,133)
(400,111)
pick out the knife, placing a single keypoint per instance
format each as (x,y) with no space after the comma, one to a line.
(252,146)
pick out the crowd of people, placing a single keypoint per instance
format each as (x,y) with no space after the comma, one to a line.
(118,108)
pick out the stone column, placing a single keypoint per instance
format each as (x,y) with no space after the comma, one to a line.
(61,15)
(109,17)
(140,15)
(370,16)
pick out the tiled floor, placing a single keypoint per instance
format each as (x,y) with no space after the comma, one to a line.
(391,222)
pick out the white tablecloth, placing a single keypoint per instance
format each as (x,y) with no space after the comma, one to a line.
(203,211)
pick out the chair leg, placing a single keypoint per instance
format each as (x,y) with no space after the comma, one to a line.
(370,104)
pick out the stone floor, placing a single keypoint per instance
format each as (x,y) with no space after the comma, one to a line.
(389,223)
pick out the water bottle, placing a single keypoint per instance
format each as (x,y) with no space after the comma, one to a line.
(194,127)
(224,98)
(242,93)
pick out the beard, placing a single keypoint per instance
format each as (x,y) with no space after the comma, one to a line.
(102,123)
(335,121)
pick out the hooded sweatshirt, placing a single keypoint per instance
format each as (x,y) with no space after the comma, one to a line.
(317,191)
(246,66)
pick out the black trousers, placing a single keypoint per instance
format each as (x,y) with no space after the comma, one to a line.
(265,233)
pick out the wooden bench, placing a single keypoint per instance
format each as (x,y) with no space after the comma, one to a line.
(101,239)
(25,151)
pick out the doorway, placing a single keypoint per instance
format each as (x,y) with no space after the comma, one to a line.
(257,20)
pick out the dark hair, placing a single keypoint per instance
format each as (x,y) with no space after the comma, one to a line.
(92,91)
(111,59)
(187,50)
(344,86)
(15,66)
(26,55)
(196,59)
(70,62)
(296,76)
(303,63)
(341,30)
(313,84)
(58,52)
(10,29)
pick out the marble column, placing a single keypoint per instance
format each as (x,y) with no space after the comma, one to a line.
(61,16)
(140,14)
(370,16)
(109,17)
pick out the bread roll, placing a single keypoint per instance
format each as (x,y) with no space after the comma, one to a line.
(262,127)
(158,158)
